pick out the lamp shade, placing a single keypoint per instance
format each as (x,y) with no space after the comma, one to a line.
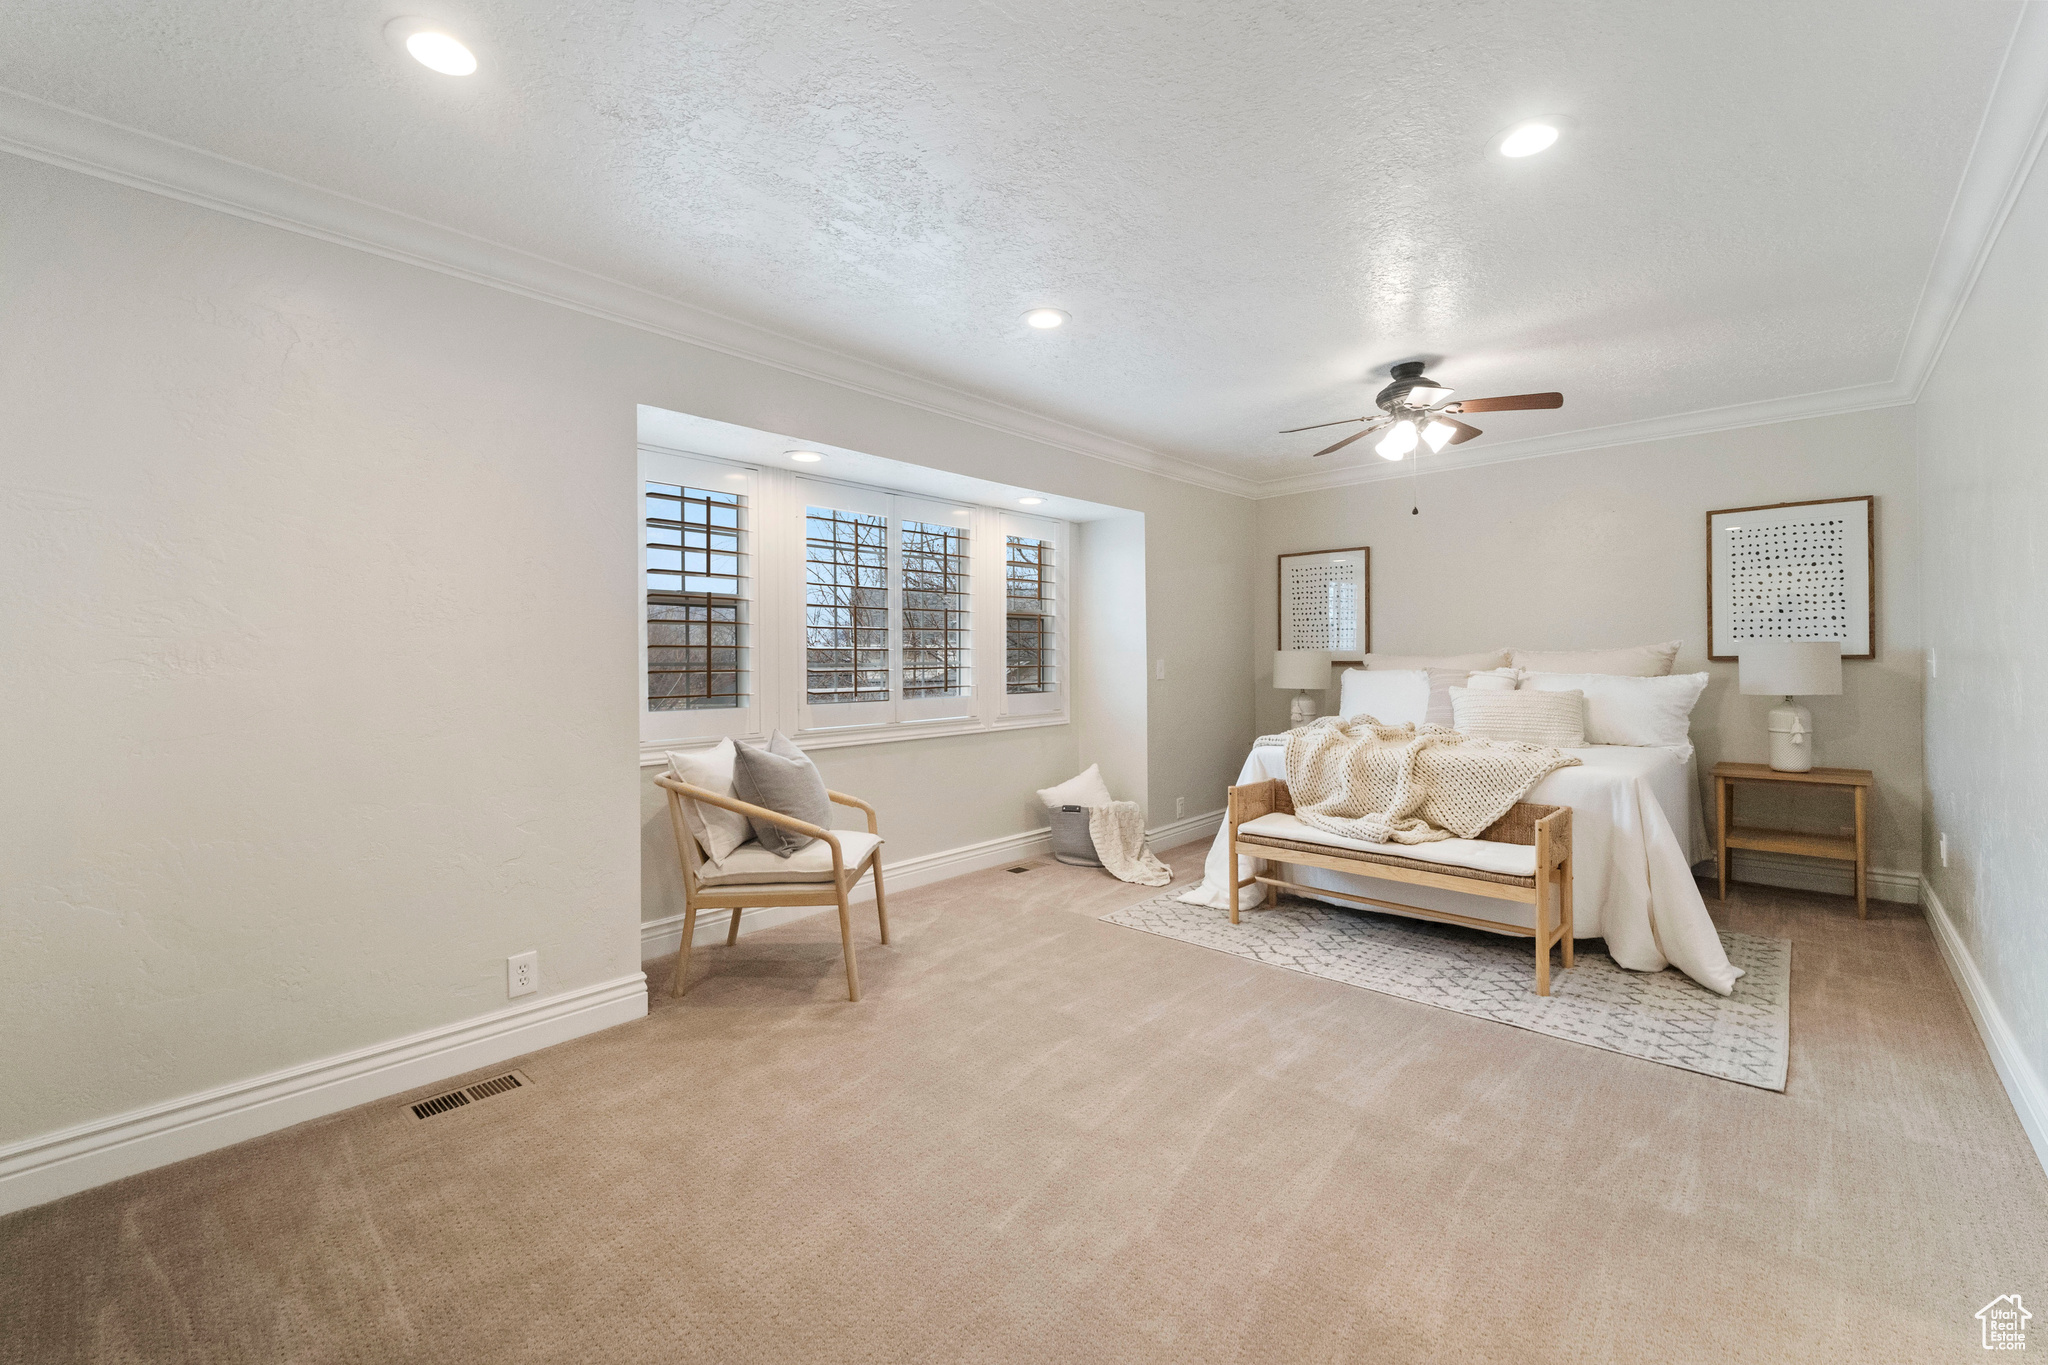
(1308,668)
(1791,668)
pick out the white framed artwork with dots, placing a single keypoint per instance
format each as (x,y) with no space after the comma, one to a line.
(1326,601)
(1793,571)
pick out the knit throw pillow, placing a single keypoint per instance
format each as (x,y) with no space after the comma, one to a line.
(1557,719)
(781,778)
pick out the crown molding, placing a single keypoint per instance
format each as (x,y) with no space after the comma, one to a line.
(2009,141)
(75,141)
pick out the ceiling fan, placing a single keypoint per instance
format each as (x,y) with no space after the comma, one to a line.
(1416,410)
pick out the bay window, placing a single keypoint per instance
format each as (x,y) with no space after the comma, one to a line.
(840,613)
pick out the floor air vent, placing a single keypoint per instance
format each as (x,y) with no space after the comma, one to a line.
(469,1094)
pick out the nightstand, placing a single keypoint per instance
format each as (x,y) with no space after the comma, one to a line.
(1729,835)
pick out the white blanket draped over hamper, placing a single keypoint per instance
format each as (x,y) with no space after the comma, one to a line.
(1632,873)
(1118,831)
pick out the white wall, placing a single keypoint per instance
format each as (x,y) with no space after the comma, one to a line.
(320,663)
(1608,547)
(1983,441)
(1111,684)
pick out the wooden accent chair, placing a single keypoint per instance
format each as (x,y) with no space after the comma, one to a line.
(808,882)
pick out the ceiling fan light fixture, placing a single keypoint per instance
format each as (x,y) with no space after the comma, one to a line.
(1438,435)
(1397,442)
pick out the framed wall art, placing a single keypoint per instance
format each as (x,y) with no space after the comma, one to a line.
(1326,601)
(1793,571)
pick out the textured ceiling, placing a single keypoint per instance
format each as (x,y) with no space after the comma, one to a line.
(1249,210)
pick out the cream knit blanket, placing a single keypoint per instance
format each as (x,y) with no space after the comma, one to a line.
(1118,830)
(1406,784)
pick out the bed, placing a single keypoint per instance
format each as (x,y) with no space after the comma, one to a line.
(1637,830)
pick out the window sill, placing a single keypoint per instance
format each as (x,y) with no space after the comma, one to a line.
(654,752)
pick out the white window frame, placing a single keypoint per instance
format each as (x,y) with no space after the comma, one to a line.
(776,680)
(677,728)
(1016,705)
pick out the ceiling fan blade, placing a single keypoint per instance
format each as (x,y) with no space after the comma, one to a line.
(1354,436)
(1512,403)
(1320,425)
(1465,433)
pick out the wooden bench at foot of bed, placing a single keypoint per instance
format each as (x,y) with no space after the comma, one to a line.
(1450,865)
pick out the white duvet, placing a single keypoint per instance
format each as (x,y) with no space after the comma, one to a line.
(1632,871)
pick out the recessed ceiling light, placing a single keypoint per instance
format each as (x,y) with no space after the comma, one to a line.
(1030,502)
(1529,137)
(1044,319)
(438,52)
(805,456)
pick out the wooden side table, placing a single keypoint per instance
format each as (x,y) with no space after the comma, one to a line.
(1730,835)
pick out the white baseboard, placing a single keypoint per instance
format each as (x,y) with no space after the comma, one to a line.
(56,1164)
(1813,874)
(660,937)
(2023,1084)
(1203,826)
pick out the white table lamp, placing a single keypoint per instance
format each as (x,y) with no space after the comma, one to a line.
(1305,670)
(1788,669)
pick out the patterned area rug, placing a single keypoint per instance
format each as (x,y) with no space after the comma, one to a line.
(1659,1016)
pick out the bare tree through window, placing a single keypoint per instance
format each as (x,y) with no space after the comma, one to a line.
(696,608)
(1028,630)
(846,607)
(935,641)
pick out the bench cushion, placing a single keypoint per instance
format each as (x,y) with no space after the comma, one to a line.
(750,863)
(1476,855)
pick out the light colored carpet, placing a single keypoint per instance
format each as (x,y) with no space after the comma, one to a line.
(1044,1138)
(1663,1017)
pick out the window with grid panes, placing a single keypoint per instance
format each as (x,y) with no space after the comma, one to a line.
(935,610)
(1029,635)
(846,607)
(696,611)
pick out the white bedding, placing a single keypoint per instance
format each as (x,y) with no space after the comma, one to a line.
(1632,869)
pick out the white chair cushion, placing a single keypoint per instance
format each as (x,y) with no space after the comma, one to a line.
(750,863)
(1481,855)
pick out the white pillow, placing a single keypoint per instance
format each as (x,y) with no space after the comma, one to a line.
(1086,790)
(1623,710)
(1466,663)
(1553,718)
(1391,696)
(1494,680)
(719,831)
(1441,681)
(1635,661)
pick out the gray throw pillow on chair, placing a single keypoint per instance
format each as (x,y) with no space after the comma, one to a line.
(781,778)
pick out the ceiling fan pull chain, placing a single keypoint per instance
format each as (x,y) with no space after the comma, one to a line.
(1415,487)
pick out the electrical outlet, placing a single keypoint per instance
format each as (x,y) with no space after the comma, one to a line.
(522,974)
(1944,850)
(1159,671)
(1180,807)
